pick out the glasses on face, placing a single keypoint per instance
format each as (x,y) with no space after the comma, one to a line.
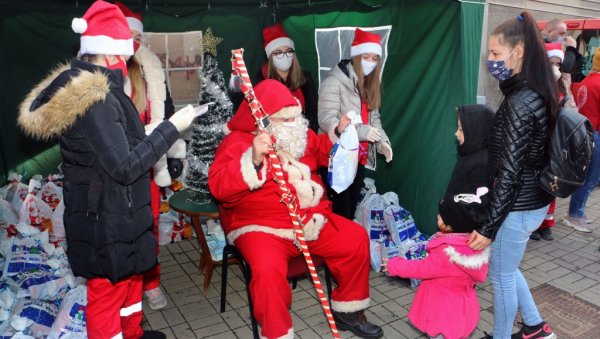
(289,53)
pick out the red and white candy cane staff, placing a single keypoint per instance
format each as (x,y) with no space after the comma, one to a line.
(287,196)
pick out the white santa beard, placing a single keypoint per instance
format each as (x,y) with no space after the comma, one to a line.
(291,139)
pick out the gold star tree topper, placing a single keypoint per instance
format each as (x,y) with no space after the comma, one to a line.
(210,42)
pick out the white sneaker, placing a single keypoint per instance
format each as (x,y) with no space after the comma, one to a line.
(587,219)
(156,298)
(579,224)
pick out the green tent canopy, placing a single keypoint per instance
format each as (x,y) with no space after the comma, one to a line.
(431,67)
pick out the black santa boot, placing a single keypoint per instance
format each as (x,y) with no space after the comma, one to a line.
(357,323)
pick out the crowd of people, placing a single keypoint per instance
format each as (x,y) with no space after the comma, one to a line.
(492,206)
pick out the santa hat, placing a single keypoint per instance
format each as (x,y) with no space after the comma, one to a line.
(596,60)
(365,42)
(554,49)
(274,37)
(133,19)
(104,30)
(276,100)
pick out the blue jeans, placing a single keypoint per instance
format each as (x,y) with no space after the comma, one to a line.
(579,197)
(510,288)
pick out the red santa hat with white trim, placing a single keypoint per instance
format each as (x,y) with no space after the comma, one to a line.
(133,19)
(276,100)
(275,36)
(365,42)
(104,30)
(554,49)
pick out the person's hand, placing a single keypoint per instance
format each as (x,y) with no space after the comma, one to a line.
(570,42)
(374,134)
(384,267)
(385,149)
(343,123)
(260,148)
(183,118)
(478,242)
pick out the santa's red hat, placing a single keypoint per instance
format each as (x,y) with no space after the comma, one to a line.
(274,37)
(133,19)
(104,30)
(554,49)
(365,42)
(275,98)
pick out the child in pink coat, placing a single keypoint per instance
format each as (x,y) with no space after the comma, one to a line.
(446,304)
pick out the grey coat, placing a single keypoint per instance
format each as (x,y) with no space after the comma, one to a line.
(338,95)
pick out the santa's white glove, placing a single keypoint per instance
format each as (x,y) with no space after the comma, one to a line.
(374,134)
(183,118)
(385,149)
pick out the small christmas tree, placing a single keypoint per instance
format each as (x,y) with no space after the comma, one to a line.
(207,130)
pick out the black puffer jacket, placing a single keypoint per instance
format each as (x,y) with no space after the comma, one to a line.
(106,157)
(517,151)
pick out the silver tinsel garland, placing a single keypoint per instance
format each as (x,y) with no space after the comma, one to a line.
(208,129)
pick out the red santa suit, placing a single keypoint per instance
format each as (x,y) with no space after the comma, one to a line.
(261,228)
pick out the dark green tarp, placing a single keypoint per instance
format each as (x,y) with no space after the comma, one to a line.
(432,64)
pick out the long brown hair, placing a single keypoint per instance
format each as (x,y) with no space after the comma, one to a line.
(536,68)
(295,76)
(138,84)
(369,87)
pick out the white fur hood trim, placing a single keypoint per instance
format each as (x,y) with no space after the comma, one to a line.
(474,261)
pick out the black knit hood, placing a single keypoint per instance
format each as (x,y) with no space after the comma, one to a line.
(476,121)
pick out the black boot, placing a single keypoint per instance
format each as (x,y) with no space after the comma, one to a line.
(153,335)
(357,323)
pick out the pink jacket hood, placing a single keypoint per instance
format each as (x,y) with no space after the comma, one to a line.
(459,252)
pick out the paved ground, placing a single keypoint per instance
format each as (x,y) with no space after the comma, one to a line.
(571,263)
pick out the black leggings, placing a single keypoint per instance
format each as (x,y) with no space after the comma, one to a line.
(344,203)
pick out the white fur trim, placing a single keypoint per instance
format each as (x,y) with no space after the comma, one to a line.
(135,24)
(474,261)
(276,43)
(79,25)
(102,44)
(288,112)
(367,47)
(249,172)
(225,129)
(177,150)
(350,306)
(278,232)
(308,191)
(162,178)
(154,75)
(313,227)
(288,335)
(556,53)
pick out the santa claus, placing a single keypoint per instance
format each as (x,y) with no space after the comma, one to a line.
(260,226)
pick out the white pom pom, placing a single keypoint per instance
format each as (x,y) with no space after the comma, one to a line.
(79,25)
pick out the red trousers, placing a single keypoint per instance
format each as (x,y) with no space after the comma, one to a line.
(549,219)
(114,310)
(343,244)
(152,276)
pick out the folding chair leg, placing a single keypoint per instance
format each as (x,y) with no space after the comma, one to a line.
(224,266)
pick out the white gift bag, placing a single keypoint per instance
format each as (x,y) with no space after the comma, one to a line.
(343,160)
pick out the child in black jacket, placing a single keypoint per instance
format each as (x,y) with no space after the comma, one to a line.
(467,192)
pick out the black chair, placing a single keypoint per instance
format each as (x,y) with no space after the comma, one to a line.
(296,269)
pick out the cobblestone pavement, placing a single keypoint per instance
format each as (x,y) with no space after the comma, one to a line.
(570,263)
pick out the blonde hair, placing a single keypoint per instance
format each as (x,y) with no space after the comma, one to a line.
(369,87)
(138,84)
(295,77)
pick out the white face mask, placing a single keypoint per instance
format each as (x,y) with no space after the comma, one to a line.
(367,66)
(284,63)
(556,71)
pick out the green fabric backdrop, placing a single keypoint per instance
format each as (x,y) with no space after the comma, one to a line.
(430,70)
